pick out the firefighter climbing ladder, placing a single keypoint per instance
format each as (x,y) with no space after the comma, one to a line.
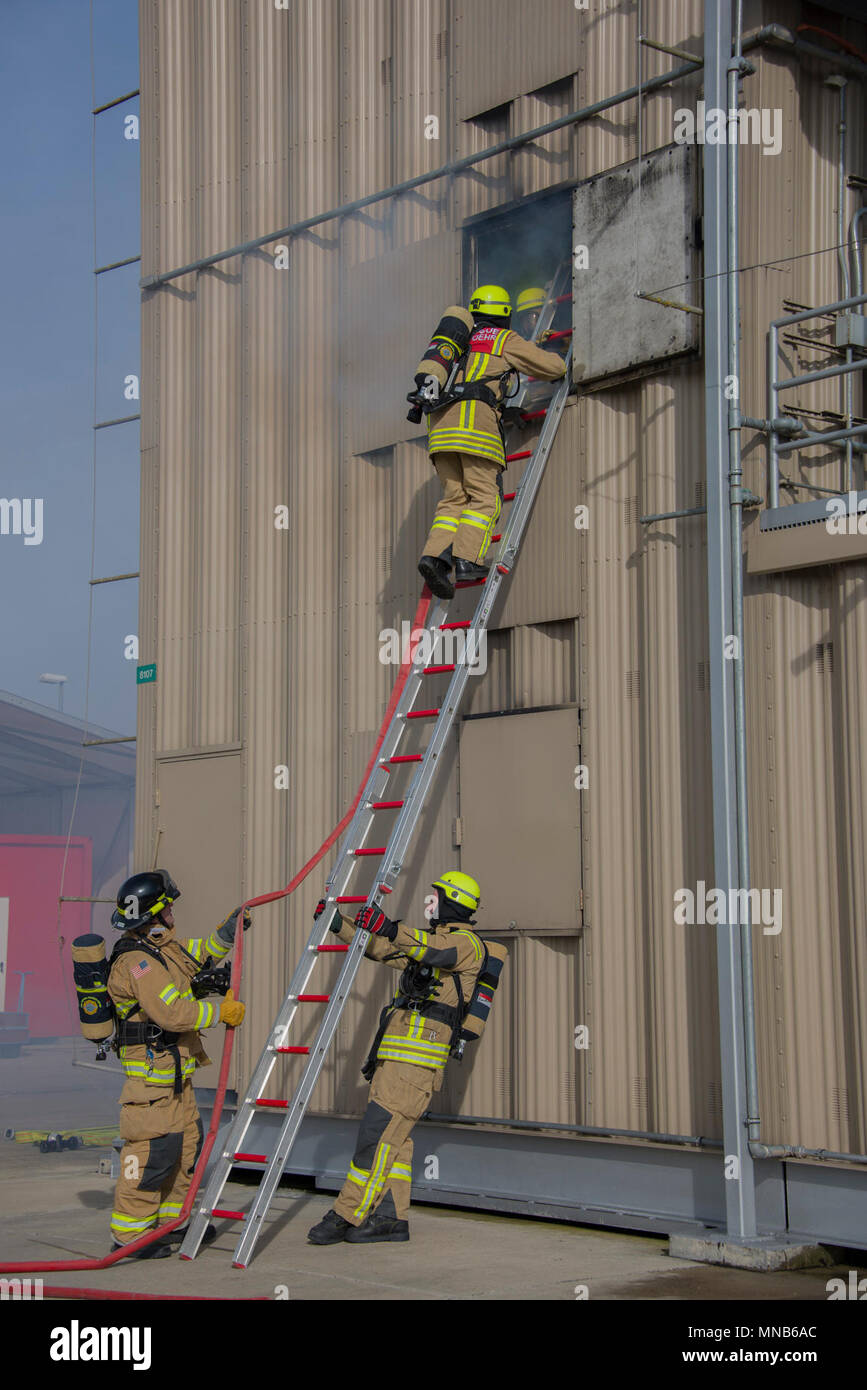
(373,805)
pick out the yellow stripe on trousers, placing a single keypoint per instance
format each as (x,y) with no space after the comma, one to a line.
(375,1182)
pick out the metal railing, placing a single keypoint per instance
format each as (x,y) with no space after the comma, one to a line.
(778,428)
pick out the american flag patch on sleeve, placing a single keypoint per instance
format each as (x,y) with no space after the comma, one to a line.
(140,968)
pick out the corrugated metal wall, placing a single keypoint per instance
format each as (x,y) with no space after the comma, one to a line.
(268,386)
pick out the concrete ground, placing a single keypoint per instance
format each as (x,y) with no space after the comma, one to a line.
(56,1207)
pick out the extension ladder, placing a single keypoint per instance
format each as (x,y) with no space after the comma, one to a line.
(374,804)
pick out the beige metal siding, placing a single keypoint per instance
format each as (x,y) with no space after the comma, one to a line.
(651,997)
(253,399)
(551,159)
(546,583)
(610,64)
(421,84)
(392,304)
(261,550)
(202,796)
(504,51)
(809,635)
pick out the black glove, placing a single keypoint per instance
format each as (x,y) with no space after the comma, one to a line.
(374,920)
(226,929)
(211,979)
(336,921)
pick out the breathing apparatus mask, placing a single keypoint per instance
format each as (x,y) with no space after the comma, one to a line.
(448,911)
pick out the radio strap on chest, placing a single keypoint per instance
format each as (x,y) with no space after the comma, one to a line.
(144,1032)
(411,995)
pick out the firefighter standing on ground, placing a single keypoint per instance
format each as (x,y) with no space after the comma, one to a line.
(465,442)
(407,1060)
(160,1048)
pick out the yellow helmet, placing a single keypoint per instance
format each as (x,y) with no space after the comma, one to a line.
(459,888)
(493,300)
(531,299)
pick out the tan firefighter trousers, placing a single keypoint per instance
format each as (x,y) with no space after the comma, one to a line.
(469,508)
(381,1170)
(163,1143)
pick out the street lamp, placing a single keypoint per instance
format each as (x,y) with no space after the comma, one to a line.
(48,679)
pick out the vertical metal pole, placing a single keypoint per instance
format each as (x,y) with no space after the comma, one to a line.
(773,398)
(735,69)
(740,1186)
(848,383)
(838,83)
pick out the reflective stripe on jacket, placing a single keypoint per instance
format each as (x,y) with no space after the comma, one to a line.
(145,990)
(454,954)
(471,427)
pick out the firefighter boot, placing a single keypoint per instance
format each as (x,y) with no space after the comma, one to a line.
(158,1251)
(436,572)
(382,1224)
(331,1230)
(467,570)
(178,1237)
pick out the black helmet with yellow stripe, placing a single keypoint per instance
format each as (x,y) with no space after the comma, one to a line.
(142,898)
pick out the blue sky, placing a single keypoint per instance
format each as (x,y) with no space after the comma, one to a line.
(47,348)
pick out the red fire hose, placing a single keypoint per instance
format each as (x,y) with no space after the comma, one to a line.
(42,1266)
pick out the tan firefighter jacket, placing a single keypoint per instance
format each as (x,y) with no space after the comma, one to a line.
(472,427)
(165,998)
(455,953)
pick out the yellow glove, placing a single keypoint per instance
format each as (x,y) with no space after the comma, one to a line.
(232,1010)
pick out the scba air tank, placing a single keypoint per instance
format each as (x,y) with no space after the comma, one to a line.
(90,972)
(448,344)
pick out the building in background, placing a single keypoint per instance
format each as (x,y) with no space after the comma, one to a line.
(45,776)
(273,392)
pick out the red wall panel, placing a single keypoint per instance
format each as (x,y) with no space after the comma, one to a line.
(30,876)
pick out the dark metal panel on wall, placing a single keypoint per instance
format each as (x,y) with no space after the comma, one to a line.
(594,1182)
(527,763)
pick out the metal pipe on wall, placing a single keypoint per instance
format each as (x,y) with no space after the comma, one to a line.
(740,1194)
(736,67)
(456,166)
(855,251)
(773,399)
(696,1141)
(796,1151)
(839,82)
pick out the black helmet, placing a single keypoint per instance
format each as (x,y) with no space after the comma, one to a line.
(142,898)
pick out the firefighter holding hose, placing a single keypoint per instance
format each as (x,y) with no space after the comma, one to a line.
(157,983)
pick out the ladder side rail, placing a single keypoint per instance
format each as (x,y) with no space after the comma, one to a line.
(338,879)
(529,485)
(244,1114)
(527,489)
(356,833)
(401,835)
(298,1105)
(379,775)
